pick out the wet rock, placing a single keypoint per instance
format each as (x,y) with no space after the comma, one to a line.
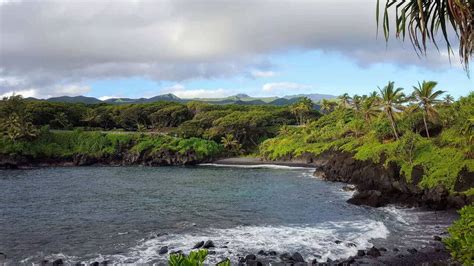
(95,263)
(338,242)
(241,260)
(371,198)
(272,253)
(163,250)
(351,245)
(395,250)
(314,262)
(212,252)
(58,262)
(383,249)
(44,262)
(250,257)
(224,247)
(297,257)
(374,252)
(348,188)
(262,252)
(106,262)
(360,253)
(209,244)
(198,244)
(285,257)
(412,250)
(437,238)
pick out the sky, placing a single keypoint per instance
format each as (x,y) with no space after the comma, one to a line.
(208,48)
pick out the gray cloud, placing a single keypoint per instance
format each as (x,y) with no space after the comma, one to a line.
(45,43)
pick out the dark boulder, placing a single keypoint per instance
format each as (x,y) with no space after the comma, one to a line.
(58,262)
(360,253)
(285,257)
(412,250)
(383,249)
(250,257)
(272,253)
(209,244)
(374,252)
(297,257)
(371,198)
(437,238)
(262,252)
(338,242)
(163,250)
(199,244)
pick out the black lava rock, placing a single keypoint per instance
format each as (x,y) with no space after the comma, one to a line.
(285,257)
(297,257)
(374,252)
(437,238)
(272,253)
(250,257)
(209,244)
(412,250)
(58,262)
(360,253)
(383,249)
(163,250)
(338,242)
(199,244)
(395,250)
(262,252)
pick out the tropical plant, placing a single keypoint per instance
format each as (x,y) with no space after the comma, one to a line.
(423,19)
(369,108)
(301,109)
(448,99)
(426,99)
(231,144)
(391,103)
(344,100)
(195,258)
(327,106)
(356,101)
(461,237)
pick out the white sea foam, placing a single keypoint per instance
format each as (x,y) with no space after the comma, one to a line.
(271,166)
(239,241)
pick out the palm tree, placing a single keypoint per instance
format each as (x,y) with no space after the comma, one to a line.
(344,100)
(301,109)
(369,108)
(390,102)
(426,98)
(326,106)
(448,99)
(230,143)
(356,101)
(422,19)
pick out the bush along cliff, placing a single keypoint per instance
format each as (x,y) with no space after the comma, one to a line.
(87,148)
(413,149)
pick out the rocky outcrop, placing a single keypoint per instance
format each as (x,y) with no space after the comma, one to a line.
(378,185)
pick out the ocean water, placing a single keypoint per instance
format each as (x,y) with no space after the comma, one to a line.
(126,214)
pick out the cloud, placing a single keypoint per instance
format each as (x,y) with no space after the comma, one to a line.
(283,86)
(45,43)
(263,74)
(180,91)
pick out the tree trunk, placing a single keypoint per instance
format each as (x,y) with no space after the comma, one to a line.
(426,126)
(392,122)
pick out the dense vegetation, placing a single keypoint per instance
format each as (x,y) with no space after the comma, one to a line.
(461,240)
(242,126)
(415,130)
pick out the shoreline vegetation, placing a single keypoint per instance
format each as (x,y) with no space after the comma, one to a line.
(413,150)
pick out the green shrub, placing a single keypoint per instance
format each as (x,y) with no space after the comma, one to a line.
(461,237)
(195,258)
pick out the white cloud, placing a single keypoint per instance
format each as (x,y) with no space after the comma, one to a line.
(180,91)
(24,93)
(50,42)
(263,74)
(103,98)
(280,86)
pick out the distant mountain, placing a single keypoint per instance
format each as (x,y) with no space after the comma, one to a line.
(241,99)
(315,97)
(75,99)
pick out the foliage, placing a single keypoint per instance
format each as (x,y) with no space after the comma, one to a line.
(423,19)
(442,157)
(195,258)
(461,237)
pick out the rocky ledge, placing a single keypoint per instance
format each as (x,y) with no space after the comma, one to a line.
(378,185)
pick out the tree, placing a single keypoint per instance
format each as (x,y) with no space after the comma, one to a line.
(390,102)
(344,100)
(231,144)
(327,106)
(426,98)
(369,108)
(448,99)
(302,109)
(423,19)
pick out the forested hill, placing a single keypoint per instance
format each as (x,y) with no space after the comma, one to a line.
(241,99)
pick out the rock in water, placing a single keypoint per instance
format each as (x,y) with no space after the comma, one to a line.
(360,253)
(297,257)
(58,262)
(199,244)
(163,250)
(437,238)
(371,198)
(374,252)
(208,244)
(412,250)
